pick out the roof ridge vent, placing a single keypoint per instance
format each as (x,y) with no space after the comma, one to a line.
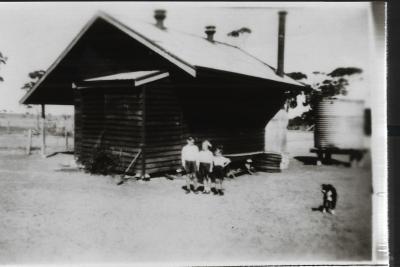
(160,15)
(210,31)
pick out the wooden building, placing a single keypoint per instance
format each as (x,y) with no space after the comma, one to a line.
(143,87)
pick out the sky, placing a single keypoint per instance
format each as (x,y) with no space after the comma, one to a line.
(319,36)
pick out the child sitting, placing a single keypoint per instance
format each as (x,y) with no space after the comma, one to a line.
(249,167)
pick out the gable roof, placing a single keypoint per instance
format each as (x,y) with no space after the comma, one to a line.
(186,51)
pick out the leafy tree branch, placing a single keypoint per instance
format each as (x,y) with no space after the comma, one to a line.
(334,83)
(3,60)
(35,77)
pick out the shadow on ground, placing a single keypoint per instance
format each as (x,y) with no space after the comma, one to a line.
(310,160)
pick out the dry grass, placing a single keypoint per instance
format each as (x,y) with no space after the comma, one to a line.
(52,216)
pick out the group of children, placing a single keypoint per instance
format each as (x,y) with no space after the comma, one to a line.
(203,166)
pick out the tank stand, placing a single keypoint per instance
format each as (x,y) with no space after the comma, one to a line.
(356,159)
(319,157)
(324,155)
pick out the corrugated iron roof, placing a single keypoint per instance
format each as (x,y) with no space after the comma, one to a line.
(134,75)
(197,51)
(138,77)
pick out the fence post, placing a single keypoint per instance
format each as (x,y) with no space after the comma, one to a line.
(8,127)
(43,130)
(29,142)
(66,138)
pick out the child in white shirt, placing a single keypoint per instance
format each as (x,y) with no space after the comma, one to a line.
(220,162)
(190,154)
(205,165)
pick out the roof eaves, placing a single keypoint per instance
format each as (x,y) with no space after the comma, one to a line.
(296,85)
(136,81)
(152,78)
(294,82)
(150,44)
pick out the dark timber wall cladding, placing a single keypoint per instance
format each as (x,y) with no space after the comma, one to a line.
(225,115)
(77,123)
(234,117)
(158,117)
(164,129)
(110,118)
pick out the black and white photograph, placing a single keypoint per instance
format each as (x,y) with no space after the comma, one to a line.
(193,133)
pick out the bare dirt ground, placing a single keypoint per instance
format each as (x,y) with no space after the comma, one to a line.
(53,216)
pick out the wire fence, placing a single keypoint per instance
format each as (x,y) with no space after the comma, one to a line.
(22,133)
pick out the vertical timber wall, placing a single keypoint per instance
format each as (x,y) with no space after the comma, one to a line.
(112,119)
(164,129)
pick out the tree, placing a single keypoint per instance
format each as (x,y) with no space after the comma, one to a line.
(3,60)
(291,96)
(339,72)
(333,84)
(240,36)
(238,32)
(297,75)
(35,77)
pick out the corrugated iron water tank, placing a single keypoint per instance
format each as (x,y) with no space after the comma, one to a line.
(268,162)
(339,124)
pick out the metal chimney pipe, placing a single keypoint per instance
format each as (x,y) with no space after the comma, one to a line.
(159,15)
(210,31)
(281,43)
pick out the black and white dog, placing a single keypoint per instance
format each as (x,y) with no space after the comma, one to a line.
(329,196)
